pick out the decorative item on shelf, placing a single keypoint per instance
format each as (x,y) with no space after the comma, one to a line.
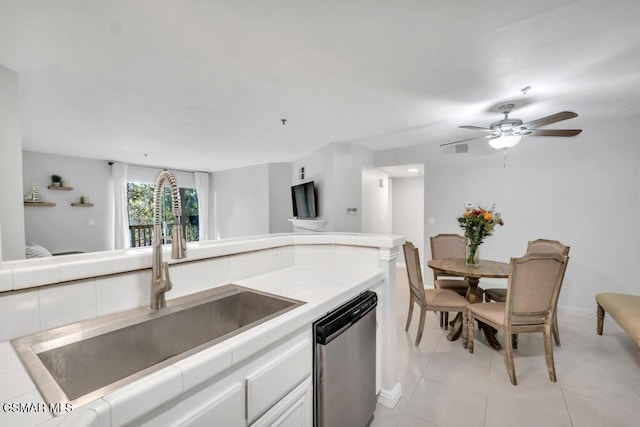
(477,224)
(61,184)
(34,195)
(84,203)
(34,198)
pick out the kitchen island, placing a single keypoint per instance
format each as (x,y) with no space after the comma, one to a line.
(258,377)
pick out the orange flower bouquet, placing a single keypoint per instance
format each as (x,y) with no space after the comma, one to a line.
(477,224)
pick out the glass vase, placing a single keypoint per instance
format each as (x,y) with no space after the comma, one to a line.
(472,255)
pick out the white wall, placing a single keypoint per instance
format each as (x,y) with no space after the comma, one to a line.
(251,200)
(65,228)
(582,191)
(336,170)
(11,210)
(241,201)
(407,207)
(376,202)
(346,185)
(318,168)
(246,201)
(280,205)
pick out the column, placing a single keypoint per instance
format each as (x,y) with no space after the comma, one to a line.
(391,389)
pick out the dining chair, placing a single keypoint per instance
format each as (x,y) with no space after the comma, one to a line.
(428,299)
(445,246)
(543,246)
(532,295)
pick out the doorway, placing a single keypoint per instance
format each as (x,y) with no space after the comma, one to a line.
(393,203)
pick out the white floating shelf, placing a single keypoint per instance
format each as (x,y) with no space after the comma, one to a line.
(39,204)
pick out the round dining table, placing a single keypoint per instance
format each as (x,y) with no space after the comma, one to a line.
(472,275)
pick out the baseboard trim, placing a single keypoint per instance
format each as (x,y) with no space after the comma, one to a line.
(390,398)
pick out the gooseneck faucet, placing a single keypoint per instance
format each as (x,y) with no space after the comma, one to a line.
(160,282)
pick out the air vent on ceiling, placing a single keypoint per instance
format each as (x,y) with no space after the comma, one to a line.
(450,150)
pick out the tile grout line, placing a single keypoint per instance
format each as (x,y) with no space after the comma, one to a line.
(566,405)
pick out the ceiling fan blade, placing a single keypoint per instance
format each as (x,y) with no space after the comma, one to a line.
(557,117)
(553,132)
(465,140)
(475,128)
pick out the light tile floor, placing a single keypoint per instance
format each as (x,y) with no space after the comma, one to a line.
(444,385)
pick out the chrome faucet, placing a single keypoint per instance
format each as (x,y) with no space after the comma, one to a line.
(160,282)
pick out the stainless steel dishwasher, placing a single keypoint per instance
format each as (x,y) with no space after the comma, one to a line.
(345,364)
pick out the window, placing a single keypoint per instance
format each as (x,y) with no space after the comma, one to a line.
(140,207)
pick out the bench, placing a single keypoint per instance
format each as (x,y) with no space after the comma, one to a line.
(624,309)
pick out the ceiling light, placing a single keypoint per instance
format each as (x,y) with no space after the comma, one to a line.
(413,170)
(505,141)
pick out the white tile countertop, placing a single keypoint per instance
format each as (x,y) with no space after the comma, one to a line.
(322,287)
(24,274)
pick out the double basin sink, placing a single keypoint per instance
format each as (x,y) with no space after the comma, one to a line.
(84,361)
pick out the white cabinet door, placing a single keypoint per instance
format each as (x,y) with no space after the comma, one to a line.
(272,388)
(226,409)
(214,405)
(273,381)
(295,410)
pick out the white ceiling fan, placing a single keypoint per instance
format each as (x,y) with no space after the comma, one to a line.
(508,132)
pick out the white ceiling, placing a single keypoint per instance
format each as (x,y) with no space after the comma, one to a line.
(203,85)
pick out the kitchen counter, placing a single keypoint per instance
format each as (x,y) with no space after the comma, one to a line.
(31,273)
(321,286)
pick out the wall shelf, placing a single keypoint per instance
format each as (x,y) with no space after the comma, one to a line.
(53,187)
(82,205)
(40,204)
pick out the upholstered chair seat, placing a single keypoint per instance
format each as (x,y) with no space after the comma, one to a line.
(442,300)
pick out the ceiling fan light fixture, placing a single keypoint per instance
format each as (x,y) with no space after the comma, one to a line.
(505,141)
(508,132)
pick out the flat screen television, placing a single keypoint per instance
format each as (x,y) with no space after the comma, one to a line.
(303,197)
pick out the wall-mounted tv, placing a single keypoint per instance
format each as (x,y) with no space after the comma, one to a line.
(303,197)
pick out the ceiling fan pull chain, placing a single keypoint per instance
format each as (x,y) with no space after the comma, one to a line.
(504,164)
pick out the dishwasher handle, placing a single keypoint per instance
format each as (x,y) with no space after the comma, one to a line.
(338,320)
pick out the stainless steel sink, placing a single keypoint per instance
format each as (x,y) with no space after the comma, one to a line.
(81,362)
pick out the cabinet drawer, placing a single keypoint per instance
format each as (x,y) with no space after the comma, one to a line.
(214,405)
(295,410)
(224,410)
(272,382)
